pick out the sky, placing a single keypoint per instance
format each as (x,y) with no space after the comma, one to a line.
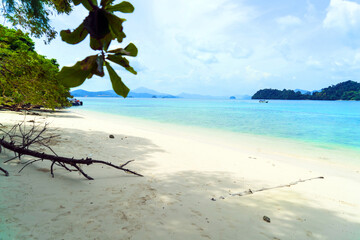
(228,47)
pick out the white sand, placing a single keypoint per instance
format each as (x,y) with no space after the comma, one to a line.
(184,168)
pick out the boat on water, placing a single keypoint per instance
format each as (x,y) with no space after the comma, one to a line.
(76,102)
(263,101)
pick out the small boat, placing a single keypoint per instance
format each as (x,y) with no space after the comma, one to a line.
(76,102)
(263,101)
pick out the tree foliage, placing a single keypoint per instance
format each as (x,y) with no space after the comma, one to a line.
(27,79)
(102,26)
(278,94)
(33,15)
(348,90)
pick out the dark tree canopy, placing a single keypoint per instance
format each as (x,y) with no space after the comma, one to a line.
(348,90)
(278,94)
(102,24)
(27,79)
(33,15)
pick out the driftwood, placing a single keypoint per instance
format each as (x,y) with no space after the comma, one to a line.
(269,188)
(250,191)
(27,138)
(4,171)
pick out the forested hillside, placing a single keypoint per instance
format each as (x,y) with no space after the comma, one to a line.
(349,90)
(27,79)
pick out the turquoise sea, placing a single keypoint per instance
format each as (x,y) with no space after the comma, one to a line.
(324,123)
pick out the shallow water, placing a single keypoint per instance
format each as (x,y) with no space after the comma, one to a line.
(324,123)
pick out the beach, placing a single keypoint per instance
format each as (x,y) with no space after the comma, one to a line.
(190,187)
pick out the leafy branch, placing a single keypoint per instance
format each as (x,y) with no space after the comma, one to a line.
(103,26)
(19,139)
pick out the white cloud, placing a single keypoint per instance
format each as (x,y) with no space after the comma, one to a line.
(202,25)
(313,62)
(229,46)
(343,15)
(288,20)
(254,74)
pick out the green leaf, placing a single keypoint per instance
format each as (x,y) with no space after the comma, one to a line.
(119,87)
(95,44)
(106,41)
(89,63)
(99,44)
(121,61)
(105,3)
(97,24)
(119,51)
(132,49)
(95,64)
(121,37)
(100,66)
(85,3)
(124,7)
(74,37)
(77,2)
(90,76)
(73,76)
(115,25)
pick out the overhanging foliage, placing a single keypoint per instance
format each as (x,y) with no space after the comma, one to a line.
(27,79)
(102,25)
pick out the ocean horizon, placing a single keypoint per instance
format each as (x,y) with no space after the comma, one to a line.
(327,124)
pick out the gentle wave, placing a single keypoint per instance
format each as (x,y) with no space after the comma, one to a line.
(326,123)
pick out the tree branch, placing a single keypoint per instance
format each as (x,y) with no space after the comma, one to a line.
(4,171)
(269,188)
(34,136)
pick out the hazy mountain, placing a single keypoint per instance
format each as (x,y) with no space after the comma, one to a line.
(149,93)
(243,97)
(306,91)
(111,93)
(84,93)
(147,90)
(199,96)
(302,91)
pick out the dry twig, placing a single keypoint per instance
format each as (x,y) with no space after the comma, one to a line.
(19,139)
(269,188)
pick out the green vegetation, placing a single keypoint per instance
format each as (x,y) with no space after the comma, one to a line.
(101,24)
(278,94)
(33,15)
(27,79)
(348,90)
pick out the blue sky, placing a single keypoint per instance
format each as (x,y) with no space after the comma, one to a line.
(228,47)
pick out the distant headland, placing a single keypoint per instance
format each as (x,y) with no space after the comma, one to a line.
(143,92)
(349,90)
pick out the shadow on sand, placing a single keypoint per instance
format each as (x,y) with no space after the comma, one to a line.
(292,216)
(177,206)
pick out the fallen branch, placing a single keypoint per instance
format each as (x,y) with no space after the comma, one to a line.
(250,191)
(269,188)
(4,171)
(34,135)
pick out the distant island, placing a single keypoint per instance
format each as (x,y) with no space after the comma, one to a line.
(149,93)
(111,93)
(349,90)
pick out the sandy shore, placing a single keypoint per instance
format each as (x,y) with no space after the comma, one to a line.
(185,194)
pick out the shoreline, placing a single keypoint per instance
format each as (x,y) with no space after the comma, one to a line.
(327,137)
(300,149)
(184,169)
